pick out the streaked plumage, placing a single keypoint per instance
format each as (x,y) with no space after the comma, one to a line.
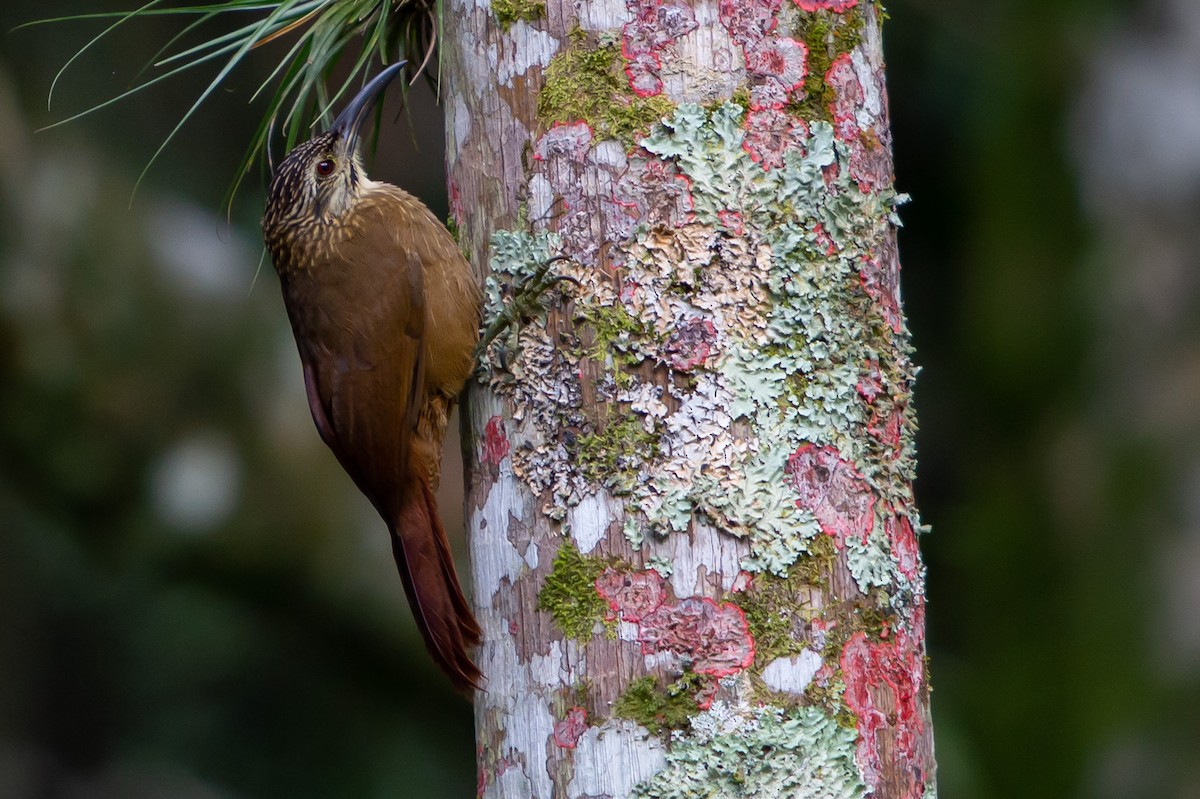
(385,312)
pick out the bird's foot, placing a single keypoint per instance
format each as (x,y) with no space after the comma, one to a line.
(525,299)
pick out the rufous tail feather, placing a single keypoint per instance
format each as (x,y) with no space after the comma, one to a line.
(427,568)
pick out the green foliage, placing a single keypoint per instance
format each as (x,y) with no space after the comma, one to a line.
(569,592)
(587,83)
(657,708)
(509,11)
(375,29)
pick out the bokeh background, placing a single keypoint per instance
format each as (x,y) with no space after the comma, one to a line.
(194,601)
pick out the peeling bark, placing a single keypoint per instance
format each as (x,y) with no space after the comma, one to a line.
(690,503)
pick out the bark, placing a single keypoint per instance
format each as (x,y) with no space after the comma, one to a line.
(692,525)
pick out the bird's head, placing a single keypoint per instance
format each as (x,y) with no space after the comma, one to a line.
(319,179)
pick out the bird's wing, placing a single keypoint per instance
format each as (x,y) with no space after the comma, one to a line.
(363,352)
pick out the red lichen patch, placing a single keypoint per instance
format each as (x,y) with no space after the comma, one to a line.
(870,161)
(847,97)
(870,156)
(690,344)
(870,385)
(571,141)
(456,207)
(886,425)
(652,27)
(823,675)
(778,61)
(631,595)
(833,491)
(880,274)
(495,442)
(823,241)
(748,21)
(715,638)
(903,540)
(830,175)
(897,667)
(568,731)
(732,220)
(654,192)
(836,6)
(742,582)
(770,133)
(819,629)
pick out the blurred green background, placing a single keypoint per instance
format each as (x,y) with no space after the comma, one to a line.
(194,602)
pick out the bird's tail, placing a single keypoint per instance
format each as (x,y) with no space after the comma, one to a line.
(423,558)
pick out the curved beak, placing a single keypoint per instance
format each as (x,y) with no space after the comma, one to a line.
(350,120)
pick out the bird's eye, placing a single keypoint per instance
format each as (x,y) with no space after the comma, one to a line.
(325,168)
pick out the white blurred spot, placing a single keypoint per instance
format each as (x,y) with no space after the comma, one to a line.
(198,255)
(1137,130)
(195,484)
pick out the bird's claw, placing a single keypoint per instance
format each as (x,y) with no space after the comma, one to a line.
(525,299)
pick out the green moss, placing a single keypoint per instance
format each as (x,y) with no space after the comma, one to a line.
(569,592)
(826,35)
(587,83)
(829,697)
(774,605)
(660,708)
(615,454)
(509,11)
(741,97)
(614,333)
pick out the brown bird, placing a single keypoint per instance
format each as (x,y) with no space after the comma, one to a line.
(385,312)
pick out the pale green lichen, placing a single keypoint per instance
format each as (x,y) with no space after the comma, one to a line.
(516,258)
(569,592)
(791,330)
(800,387)
(586,82)
(801,754)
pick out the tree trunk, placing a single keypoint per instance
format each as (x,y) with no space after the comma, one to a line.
(690,503)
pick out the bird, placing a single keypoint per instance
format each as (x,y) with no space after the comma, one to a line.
(385,312)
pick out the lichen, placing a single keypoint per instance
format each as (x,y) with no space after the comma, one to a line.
(616,334)
(614,455)
(657,707)
(827,35)
(795,382)
(516,259)
(767,753)
(766,335)
(586,81)
(509,11)
(777,608)
(569,592)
